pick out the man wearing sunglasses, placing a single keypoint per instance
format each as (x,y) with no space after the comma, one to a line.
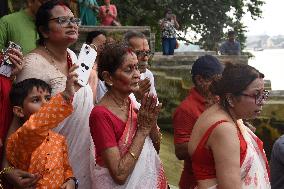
(138,43)
(19,27)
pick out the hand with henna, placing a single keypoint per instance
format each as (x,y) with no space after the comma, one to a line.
(22,179)
(144,87)
(148,113)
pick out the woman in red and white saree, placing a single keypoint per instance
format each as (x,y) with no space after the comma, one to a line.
(224,152)
(124,137)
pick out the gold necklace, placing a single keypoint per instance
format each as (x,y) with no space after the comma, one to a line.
(122,107)
(52,58)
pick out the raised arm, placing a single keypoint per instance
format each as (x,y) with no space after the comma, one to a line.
(175,22)
(102,12)
(26,139)
(114,14)
(22,143)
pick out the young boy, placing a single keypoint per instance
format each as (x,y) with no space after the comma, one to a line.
(34,147)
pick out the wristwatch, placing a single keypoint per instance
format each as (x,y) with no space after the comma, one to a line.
(76,181)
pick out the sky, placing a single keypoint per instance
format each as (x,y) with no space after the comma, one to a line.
(271,23)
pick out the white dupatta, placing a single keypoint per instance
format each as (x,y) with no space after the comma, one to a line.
(148,172)
(76,130)
(254,170)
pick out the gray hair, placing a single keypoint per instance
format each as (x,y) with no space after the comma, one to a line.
(132,34)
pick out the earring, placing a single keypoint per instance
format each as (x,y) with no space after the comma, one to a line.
(229,100)
(110,84)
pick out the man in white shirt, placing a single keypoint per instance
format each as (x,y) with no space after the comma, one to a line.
(138,43)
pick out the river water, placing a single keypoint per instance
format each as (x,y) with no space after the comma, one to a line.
(271,63)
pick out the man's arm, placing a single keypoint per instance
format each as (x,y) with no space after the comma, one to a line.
(181,151)
(183,124)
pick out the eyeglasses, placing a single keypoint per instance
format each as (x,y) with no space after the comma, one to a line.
(65,21)
(258,97)
(142,54)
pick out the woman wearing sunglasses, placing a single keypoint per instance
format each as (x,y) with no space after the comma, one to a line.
(224,152)
(50,61)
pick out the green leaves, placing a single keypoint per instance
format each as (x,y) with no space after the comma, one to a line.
(210,19)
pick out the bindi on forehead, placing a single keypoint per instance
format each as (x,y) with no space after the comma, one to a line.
(61,10)
(64,7)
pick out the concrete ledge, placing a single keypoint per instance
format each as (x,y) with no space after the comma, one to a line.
(193,53)
(114,28)
(189,58)
(116,32)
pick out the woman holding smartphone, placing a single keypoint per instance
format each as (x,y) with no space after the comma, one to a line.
(168,26)
(50,61)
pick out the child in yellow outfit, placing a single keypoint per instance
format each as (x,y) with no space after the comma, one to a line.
(34,147)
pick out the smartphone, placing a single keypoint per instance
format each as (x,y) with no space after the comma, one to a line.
(5,63)
(86,60)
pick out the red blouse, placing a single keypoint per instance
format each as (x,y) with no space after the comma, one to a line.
(203,164)
(106,129)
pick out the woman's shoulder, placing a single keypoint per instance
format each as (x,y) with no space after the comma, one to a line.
(214,117)
(32,57)
(34,66)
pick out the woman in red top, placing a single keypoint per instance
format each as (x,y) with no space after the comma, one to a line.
(124,136)
(225,153)
(107,13)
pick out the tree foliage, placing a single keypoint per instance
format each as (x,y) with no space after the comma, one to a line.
(207,18)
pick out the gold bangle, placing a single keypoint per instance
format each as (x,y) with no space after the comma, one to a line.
(133,155)
(6,170)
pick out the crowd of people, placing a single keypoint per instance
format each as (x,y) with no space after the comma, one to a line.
(57,134)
